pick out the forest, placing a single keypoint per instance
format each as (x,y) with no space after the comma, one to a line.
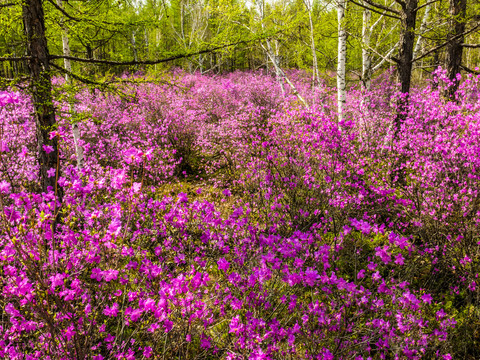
(229,179)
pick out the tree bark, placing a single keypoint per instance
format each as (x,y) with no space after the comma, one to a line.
(68,66)
(423,29)
(41,90)
(408,17)
(366,57)
(341,59)
(453,59)
(315,76)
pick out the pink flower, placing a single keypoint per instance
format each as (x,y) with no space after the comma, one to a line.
(57,280)
(4,147)
(427,298)
(147,351)
(361,274)
(51,172)
(205,343)
(110,275)
(48,149)
(223,264)
(111,311)
(53,134)
(4,187)
(311,276)
(97,274)
(399,260)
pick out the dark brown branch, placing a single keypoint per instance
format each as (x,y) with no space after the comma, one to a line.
(148,62)
(426,4)
(383,7)
(458,36)
(67,15)
(14,80)
(7,5)
(79,78)
(375,11)
(471,71)
(14,58)
(471,46)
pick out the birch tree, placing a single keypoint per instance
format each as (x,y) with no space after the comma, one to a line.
(341,59)
(366,57)
(68,67)
(309,8)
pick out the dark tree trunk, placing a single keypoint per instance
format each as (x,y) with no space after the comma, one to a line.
(41,91)
(404,68)
(453,60)
(408,16)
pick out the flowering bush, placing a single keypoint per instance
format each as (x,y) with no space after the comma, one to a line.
(215,218)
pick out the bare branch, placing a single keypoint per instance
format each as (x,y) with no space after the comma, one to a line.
(385,58)
(378,20)
(152,62)
(14,58)
(377,11)
(458,36)
(470,70)
(471,46)
(383,7)
(7,5)
(426,4)
(66,14)
(79,78)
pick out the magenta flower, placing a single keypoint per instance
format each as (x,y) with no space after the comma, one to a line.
(147,351)
(48,148)
(51,172)
(111,311)
(57,280)
(427,298)
(53,134)
(223,264)
(5,187)
(110,275)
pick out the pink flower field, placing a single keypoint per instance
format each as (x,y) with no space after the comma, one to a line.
(215,218)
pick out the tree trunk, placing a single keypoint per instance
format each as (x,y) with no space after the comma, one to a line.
(341,59)
(404,68)
(408,17)
(68,67)
(315,76)
(366,57)
(423,28)
(134,45)
(453,59)
(41,89)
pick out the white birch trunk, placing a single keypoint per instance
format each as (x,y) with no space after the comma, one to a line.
(276,64)
(315,77)
(68,66)
(279,70)
(341,59)
(134,46)
(366,54)
(423,28)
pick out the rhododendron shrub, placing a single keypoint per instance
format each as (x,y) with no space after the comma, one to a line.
(173,276)
(216,218)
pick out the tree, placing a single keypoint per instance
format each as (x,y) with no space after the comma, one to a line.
(341,59)
(455,39)
(41,90)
